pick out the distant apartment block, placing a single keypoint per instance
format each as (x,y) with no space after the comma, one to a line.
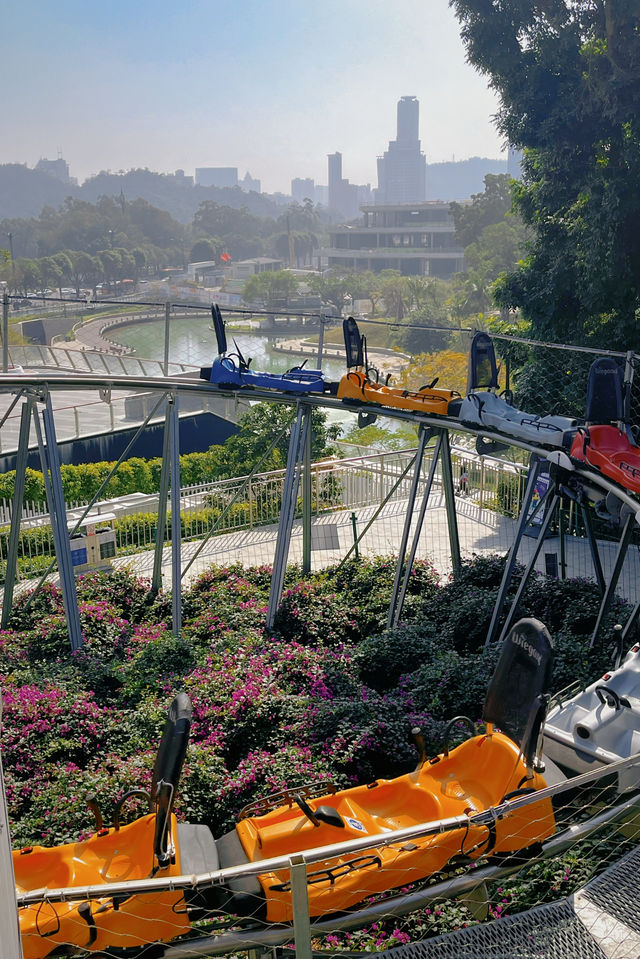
(225,176)
(56,168)
(303,188)
(220,176)
(402,170)
(181,177)
(344,197)
(417,239)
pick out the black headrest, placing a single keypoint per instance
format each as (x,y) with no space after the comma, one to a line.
(521,679)
(605,391)
(483,370)
(218,325)
(352,343)
(168,767)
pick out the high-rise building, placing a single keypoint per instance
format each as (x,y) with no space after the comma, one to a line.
(56,168)
(220,176)
(344,197)
(402,170)
(301,188)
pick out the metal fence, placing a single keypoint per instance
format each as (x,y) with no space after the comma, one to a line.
(339,486)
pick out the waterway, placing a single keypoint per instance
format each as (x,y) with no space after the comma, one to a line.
(192,341)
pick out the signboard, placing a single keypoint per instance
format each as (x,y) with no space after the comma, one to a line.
(532,527)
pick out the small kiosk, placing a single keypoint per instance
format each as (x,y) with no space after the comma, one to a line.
(94,544)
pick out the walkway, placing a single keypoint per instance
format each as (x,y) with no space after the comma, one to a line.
(481,532)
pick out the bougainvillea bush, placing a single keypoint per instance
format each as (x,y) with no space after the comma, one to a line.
(328,694)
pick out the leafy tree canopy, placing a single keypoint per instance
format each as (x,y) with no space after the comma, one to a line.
(568,75)
(270,288)
(486,208)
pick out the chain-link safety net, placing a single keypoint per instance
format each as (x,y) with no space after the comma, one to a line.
(551,877)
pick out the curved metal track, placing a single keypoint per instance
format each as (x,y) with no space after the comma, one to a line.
(38,388)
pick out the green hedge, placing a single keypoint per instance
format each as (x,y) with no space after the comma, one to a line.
(135,475)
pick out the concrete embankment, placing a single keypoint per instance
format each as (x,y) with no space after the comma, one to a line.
(389,360)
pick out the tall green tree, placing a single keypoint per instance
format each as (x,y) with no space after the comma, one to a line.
(568,76)
(485,208)
(270,288)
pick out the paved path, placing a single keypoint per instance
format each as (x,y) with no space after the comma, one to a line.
(481,532)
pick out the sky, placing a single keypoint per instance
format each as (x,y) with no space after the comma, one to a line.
(268,86)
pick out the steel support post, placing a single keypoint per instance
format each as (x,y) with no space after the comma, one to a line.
(450,502)
(563,553)
(535,466)
(163,496)
(321,342)
(167,322)
(306,493)
(360,536)
(287,512)
(16,509)
(593,547)
(418,530)
(607,599)
(5,332)
(59,527)
(176,525)
(530,565)
(424,437)
(300,907)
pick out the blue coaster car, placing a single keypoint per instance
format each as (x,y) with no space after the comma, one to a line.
(232,371)
(482,407)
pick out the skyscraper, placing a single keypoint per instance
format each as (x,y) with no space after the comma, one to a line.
(343,196)
(402,170)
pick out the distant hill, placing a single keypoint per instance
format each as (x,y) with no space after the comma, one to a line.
(457,180)
(169,193)
(24,192)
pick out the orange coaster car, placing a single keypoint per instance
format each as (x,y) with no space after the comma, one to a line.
(361,382)
(480,773)
(140,850)
(466,782)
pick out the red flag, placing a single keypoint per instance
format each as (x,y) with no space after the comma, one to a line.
(225,257)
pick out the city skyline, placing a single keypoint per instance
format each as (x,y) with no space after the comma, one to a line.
(271,91)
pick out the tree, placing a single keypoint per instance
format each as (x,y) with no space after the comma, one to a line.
(485,208)
(334,287)
(202,250)
(272,288)
(394,289)
(568,76)
(259,427)
(498,249)
(86,270)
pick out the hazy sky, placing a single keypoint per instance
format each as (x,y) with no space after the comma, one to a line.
(269,86)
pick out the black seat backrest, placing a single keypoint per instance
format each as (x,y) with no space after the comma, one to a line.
(218,325)
(352,343)
(517,694)
(167,769)
(483,369)
(605,403)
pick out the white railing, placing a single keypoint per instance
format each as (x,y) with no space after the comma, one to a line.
(244,503)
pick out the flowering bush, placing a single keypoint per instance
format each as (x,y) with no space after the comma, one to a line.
(330,694)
